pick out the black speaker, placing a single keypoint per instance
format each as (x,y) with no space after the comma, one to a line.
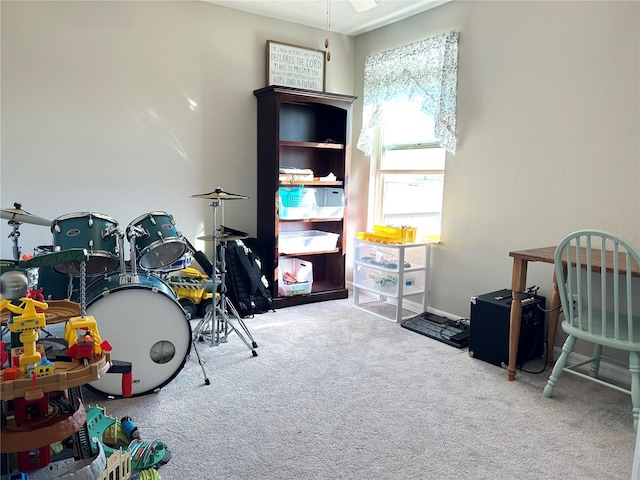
(489,328)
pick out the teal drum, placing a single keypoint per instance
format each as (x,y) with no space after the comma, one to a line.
(96,233)
(142,320)
(54,285)
(158,244)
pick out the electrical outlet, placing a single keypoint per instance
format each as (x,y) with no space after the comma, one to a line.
(575,304)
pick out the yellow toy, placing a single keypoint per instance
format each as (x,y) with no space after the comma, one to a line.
(88,323)
(28,321)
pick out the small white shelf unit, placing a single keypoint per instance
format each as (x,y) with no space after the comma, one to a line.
(396,275)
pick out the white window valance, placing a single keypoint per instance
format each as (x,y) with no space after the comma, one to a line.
(427,69)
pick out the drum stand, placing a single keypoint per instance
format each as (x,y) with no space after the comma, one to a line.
(14,236)
(217,323)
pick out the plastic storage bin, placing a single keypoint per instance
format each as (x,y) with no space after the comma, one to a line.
(294,268)
(296,202)
(307,241)
(384,282)
(329,203)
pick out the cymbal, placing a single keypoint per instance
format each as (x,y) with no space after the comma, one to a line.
(17,214)
(222,237)
(219,194)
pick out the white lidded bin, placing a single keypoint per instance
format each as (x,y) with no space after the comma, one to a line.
(329,203)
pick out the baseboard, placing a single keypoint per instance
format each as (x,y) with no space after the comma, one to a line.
(608,371)
(444,314)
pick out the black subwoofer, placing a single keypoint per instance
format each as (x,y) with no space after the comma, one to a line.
(489,328)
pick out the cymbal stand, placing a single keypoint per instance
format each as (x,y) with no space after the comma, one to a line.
(217,323)
(14,235)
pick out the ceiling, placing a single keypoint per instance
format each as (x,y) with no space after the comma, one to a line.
(342,13)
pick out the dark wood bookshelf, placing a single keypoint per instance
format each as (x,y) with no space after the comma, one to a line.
(302,129)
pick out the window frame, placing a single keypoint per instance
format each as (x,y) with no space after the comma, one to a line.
(377,175)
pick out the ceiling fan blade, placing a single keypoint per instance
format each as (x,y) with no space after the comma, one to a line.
(363,5)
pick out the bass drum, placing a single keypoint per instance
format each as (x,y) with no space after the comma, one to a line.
(145,325)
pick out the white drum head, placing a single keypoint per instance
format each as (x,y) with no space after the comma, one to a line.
(144,327)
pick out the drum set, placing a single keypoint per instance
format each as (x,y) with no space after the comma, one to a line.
(137,311)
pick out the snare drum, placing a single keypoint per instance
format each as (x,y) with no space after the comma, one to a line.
(145,325)
(161,244)
(94,232)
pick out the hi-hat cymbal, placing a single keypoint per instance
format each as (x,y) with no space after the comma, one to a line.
(219,194)
(17,214)
(222,237)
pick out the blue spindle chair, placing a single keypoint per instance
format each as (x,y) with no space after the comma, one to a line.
(597,298)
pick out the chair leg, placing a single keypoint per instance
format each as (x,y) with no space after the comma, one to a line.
(567,348)
(595,363)
(634,368)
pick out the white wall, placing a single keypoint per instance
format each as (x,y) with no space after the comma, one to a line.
(549,134)
(97,114)
(96,117)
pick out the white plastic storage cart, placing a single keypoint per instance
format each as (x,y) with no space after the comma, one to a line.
(391,274)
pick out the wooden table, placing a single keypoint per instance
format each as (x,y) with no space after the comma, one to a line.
(521,259)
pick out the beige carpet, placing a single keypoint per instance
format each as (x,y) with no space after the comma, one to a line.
(337,393)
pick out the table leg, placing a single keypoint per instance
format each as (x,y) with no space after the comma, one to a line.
(554,314)
(518,285)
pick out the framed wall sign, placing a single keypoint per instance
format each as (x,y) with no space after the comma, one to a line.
(294,66)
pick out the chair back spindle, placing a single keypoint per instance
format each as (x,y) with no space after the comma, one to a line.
(586,259)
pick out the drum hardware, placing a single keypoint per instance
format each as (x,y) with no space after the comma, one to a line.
(222,237)
(125,277)
(17,216)
(218,322)
(14,236)
(226,234)
(219,194)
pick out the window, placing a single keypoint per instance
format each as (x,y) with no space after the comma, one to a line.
(407,170)
(408,121)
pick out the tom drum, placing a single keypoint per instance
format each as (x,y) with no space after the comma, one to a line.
(160,244)
(94,232)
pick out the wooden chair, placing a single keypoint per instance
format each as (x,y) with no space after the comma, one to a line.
(599,308)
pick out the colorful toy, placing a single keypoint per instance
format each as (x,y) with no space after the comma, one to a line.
(86,324)
(193,289)
(145,455)
(28,322)
(124,435)
(148,474)
(40,369)
(4,356)
(289,279)
(129,429)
